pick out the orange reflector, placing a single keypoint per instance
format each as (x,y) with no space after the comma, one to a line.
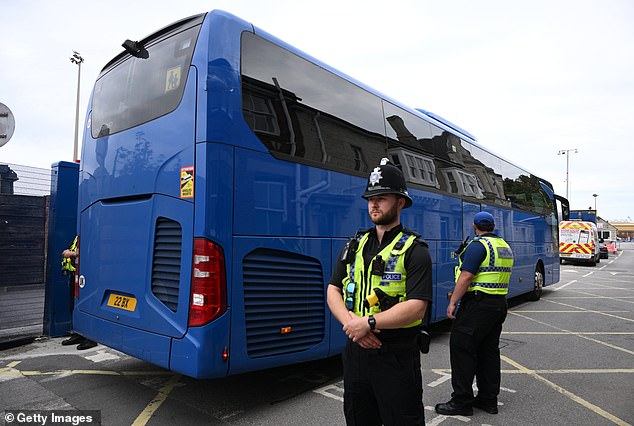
(285,330)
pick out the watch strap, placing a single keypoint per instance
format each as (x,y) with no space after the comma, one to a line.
(372,322)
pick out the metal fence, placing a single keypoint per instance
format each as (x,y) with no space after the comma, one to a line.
(31,180)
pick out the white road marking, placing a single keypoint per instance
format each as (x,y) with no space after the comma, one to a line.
(441,418)
(444,377)
(327,391)
(565,285)
(101,356)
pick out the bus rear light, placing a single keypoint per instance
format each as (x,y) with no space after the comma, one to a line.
(200,274)
(209,288)
(198,299)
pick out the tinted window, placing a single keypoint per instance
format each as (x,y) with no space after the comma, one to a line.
(137,90)
(523,190)
(302,112)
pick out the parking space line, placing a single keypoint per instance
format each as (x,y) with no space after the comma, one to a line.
(447,371)
(333,391)
(589,371)
(156,402)
(567,311)
(600,333)
(440,418)
(574,333)
(563,286)
(597,296)
(611,286)
(11,370)
(71,372)
(589,310)
(572,396)
(620,298)
(445,376)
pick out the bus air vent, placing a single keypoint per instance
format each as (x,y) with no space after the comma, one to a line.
(166,262)
(282,291)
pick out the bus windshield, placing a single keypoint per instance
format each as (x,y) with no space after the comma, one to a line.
(137,90)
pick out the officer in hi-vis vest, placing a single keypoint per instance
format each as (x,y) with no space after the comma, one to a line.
(482,278)
(379,290)
(69,256)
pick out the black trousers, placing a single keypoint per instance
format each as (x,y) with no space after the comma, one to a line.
(383,387)
(71,293)
(474,348)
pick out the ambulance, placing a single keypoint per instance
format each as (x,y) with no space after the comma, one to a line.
(578,242)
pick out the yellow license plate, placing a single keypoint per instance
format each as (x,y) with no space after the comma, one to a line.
(122,302)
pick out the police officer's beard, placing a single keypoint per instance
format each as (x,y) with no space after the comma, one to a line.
(386,218)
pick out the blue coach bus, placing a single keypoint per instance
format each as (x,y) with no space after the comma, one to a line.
(221,174)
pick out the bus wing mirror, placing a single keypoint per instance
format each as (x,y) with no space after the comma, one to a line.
(565,207)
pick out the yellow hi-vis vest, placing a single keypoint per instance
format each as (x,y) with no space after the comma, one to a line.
(494,273)
(67,262)
(392,282)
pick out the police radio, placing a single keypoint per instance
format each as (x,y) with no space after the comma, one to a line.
(378,266)
(349,250)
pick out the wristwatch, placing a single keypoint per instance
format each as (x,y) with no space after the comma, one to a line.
(371,322)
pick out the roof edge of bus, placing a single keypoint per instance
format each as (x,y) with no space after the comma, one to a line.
(164,29)
(443,123)
(447,123)
(293,49)
(438,120)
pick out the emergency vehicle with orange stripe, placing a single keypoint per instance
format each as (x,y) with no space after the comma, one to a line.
(578,242)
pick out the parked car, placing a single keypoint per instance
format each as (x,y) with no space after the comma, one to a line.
(603,249)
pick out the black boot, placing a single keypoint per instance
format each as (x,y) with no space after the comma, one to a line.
(489,407)
(451,408)
(72,340)
(86,344)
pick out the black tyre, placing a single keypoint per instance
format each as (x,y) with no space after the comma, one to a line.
(536,294)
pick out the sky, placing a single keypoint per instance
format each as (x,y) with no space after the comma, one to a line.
(527,78)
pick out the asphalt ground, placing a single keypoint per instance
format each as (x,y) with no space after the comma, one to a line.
(567,359)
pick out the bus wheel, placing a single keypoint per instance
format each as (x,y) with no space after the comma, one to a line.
(536,294)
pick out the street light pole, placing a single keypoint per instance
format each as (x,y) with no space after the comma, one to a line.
(76,59)
(567,152)
(595,202)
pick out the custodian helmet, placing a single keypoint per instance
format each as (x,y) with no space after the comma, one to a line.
(387,179)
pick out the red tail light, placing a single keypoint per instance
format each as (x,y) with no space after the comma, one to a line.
(209,286)
(76,277)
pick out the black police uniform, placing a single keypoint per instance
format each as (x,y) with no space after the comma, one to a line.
(384,386)
(474,345)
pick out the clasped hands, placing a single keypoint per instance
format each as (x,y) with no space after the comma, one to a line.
(358,330)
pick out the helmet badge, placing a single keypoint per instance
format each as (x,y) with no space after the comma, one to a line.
(375,176)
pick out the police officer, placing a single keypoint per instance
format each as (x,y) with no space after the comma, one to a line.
(68,268)
(482,278)
(379,291)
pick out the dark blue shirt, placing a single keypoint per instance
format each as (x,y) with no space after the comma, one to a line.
(474,255)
